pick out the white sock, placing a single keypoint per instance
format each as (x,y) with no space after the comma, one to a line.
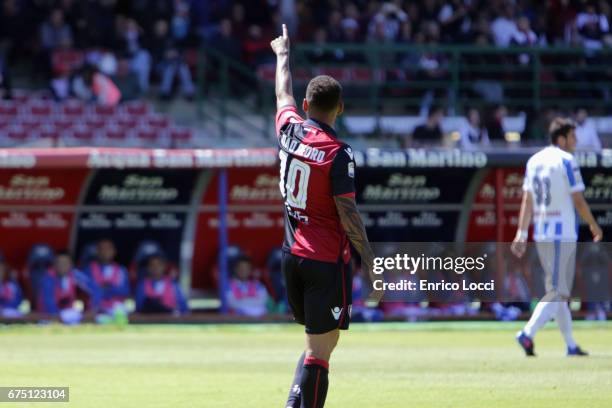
(564,320)
(543,312)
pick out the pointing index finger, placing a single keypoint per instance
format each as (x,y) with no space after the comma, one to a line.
(285,32)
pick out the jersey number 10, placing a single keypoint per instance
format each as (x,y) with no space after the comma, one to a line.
(294,181)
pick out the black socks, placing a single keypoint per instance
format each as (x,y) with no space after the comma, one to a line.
(309,387)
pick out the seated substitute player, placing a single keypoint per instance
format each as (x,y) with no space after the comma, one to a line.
(552,192)
(110,277)
(317,173)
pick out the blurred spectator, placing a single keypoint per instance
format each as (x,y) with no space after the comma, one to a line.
(92,85)
(473,133)
(560,21)
(523,36)
(495,123)
(11,295)
(586,133)
(256,47)
(429,133)
(59,290)
(504,26)
(246,296)
(130,46)
(5,79)
(226,42)
(170,62)
(110,277)
(454,20)
(55,32)
(385,24)
(592,27)
(158,292)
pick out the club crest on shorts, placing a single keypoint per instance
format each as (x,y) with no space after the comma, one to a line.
(336,311)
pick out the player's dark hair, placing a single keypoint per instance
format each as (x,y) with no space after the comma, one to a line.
(560,127)
(323,93)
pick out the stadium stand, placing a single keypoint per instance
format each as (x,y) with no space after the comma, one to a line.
(44,122)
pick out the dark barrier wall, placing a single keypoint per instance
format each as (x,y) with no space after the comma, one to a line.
(72,197)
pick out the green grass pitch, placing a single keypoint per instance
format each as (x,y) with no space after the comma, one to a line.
(451,365)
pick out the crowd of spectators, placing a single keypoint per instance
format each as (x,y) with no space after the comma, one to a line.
(151,38)
(477,133)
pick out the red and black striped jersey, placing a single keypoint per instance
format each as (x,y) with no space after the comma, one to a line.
(314,167)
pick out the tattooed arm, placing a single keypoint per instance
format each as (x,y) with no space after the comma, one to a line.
(356,233)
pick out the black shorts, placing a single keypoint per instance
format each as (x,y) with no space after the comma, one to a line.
(320,293)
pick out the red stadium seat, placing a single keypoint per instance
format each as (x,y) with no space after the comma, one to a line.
(66,61)
(73,108)
(158,121)
(8,108)
(20,96)
(180,137)
(114,136)
(104,110)
(80,136)
(341,74)
(49,132)
(17,134)
(361,74)
(137,108)
(63,123)
(126,122)
(41,108)
(30,123)
(147,136)
(94,122)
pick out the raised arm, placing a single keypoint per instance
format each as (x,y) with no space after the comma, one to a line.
(284,86)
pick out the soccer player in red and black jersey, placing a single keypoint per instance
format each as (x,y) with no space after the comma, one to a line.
(317,182)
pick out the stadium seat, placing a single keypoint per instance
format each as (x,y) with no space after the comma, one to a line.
(158,121)
(65,61)
(8,108)
(47,131)
(17,135)
(29,123)
(41,108)
(114,136)
(94,122)
(104,110)
(136,108)
(79,136)
(147,136)
(126,122)
(180,137)
(73,108)
(63,123)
